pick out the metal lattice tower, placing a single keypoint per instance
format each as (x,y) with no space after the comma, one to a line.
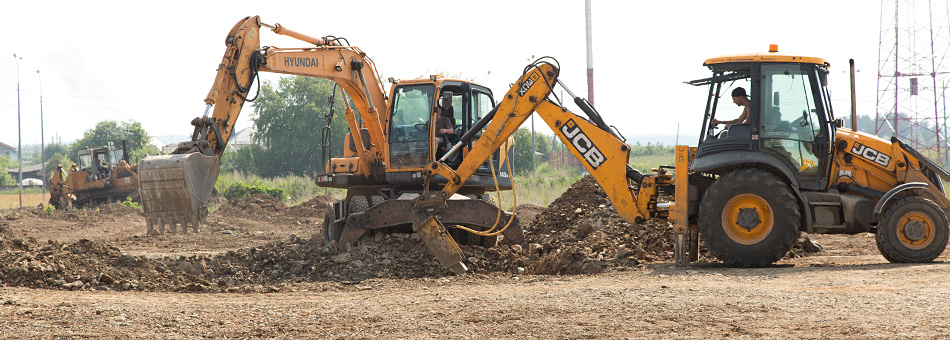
(913,73)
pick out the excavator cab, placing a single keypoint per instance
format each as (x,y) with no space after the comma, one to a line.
(414,142)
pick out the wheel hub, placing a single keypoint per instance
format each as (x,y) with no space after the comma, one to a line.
(748,218)
(915,230)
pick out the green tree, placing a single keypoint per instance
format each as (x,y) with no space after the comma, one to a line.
(521,160)
(240,160)
(53,161)
(51,149)
(137,139)
(288,120)
(5,164)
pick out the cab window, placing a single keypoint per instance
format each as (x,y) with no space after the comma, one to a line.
(481,104)
(409,125)
(789,115)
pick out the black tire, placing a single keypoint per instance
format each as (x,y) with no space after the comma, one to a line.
(912,230)
(376,200)
(749,218)
(358,204)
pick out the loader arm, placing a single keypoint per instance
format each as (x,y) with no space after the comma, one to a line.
(175,188)
(604,155)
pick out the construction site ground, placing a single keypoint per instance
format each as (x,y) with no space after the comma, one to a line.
(255,270)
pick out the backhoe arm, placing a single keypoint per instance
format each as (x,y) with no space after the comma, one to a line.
(603,154)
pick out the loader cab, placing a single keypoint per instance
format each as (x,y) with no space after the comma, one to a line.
(790,118)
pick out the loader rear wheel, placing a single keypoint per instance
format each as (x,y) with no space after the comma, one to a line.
(913,230)
(749,218)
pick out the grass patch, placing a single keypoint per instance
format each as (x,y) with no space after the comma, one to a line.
(296,189)
(16,190)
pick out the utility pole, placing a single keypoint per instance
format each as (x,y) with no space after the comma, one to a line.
(42,139)
(19,134)
(590,56)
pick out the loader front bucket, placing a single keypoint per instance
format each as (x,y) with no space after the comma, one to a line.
(175,189)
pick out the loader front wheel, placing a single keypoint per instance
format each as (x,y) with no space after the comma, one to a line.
(749,218)
(912,230)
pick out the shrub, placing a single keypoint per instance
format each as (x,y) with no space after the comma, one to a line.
(128,202)
(242,190)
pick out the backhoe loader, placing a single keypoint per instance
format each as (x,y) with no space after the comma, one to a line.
(392,137)
(747,192)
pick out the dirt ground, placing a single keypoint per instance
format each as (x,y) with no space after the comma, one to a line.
(255,271)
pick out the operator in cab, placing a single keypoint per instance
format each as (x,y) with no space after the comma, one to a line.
(740,98)
(445,124)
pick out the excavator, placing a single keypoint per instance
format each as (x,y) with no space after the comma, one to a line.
(392,138)
(748,190)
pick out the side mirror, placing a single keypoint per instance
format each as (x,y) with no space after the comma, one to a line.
(839,122)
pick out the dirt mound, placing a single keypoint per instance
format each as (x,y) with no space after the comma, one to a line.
(527,213)
(81,265)
(315,207)
(581,233)
(257,206)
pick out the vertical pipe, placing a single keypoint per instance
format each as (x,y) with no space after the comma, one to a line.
(590,55)
(854,109)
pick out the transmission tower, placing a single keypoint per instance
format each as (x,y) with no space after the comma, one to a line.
(913,74)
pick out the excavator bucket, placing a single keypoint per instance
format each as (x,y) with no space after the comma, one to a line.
(175,189)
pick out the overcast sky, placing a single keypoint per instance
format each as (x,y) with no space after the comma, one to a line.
(154,62)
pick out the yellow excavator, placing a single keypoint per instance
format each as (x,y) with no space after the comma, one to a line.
(392,138)
(747,192)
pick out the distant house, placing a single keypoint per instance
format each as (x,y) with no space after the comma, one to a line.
(32,171)
(8,151)
(242,138)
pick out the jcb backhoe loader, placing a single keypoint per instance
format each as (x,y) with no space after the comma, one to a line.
(747,192)
(392,138)
(103,175)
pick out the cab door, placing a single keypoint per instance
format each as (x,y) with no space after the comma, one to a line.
(792,121)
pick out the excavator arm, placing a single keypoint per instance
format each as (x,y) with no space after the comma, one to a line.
(175,188)
(600,150)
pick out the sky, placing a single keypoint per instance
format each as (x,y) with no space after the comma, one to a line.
(154,62)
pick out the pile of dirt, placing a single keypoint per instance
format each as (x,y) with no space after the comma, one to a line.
(257,206)
(81,265)
(111,212)
(88,265)
(315,207)
(580,233)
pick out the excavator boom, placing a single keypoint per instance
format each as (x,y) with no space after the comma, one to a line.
(175,188)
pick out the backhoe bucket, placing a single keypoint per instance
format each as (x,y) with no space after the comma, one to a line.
(175,189)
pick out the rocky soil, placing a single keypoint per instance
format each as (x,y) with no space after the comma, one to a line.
(581,262)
